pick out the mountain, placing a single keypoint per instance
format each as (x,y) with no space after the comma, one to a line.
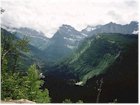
(36,39)
(63,43)
(80,62)
(90,28)
(97,53)
(67,39)
(34,55)
(111,27)
(111,58)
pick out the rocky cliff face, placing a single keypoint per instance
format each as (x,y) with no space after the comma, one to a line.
(64,41)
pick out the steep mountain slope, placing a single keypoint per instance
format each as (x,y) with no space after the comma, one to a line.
(110,58)
(120,81)
(33,56)
(131,28)
(37,39)
(67,39)
(63,43)
(96,54)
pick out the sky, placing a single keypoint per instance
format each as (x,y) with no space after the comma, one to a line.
(48,15)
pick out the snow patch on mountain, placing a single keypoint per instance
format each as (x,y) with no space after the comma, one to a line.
(135,32)
(79,37)
(90,28)
(84,34)
(70,47)
(70,39)
(8,28)
(79,83)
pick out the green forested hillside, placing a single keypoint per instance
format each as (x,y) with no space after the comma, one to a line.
(112,58)
(107,60)
(96,54)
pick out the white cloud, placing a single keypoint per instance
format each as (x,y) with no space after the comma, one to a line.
(48,15)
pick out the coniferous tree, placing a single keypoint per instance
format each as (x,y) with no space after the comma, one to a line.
(15,85)
(34,83)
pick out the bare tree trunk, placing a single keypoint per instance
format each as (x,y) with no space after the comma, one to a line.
(15,62)
(99,91)
(3,55)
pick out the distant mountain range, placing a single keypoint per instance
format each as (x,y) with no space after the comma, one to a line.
(67,38)
(75,62)
(111,27)
(37,39)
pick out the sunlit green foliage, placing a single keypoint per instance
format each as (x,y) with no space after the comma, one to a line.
(34,83)
(16,84)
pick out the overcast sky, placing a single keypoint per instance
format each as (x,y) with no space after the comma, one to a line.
(48,15)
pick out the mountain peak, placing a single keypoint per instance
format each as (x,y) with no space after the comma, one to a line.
(65,26)
(67,30)
(111,23)
(90,28)
(30,31)
(134,22)
(112,27)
